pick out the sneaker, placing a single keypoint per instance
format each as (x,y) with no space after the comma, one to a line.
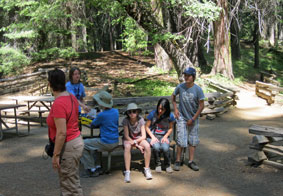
(193,166)
(87,173)
(169,169)
(100,171)
(147,173)
(158,169)
(127,177)
(94,173)
(177,166)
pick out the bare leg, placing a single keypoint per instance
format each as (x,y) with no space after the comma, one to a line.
(147,152)
(127,156)
(179,152)
(191,152)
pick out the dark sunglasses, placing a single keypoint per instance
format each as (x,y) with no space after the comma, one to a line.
(132,111)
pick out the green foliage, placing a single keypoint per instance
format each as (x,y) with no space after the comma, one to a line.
(269,60)
(12,60)
(134,38)
(150,87)
(21,34)
(201,9)
(53,53)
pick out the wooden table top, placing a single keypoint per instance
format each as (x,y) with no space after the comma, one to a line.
(10,106)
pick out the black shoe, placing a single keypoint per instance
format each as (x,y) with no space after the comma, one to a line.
(100,171)
(94,174)
(177,166)
(85,173)
(193,166)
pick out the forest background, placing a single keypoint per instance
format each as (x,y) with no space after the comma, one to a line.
(230,40)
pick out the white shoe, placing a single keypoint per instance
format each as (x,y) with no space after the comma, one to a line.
(169,169)
(127,176)
(147,173)
(158,169)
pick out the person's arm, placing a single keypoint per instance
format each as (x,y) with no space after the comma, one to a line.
(165,137)
(143,135)
(176,111)
(85,107)
(127,135)
(61,130)
(96,122)
(200,108)
(153,138)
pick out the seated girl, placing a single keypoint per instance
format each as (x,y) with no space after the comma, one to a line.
(159,126)
(135,136)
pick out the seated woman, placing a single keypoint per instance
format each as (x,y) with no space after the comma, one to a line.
(135,136)
(159,126)
(107,121)
(75,87)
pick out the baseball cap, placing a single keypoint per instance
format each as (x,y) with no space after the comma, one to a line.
(190,71)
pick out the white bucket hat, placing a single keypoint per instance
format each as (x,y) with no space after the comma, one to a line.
(104,99)
(133,106)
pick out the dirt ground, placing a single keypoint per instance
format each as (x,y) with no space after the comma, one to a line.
(221,156)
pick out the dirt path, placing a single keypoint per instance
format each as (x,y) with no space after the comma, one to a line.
(221,155)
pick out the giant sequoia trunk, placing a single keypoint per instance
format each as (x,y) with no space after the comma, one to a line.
(222,56)
(148,22)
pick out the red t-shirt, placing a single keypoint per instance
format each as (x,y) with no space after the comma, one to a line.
(63,108)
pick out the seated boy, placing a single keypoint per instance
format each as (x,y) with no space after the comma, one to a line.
(107,121)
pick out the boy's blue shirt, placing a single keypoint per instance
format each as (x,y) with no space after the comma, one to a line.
(108,122)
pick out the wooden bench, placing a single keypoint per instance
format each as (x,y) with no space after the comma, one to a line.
(267,146)
(121,146)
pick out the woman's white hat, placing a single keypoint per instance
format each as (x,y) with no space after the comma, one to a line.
(133,106)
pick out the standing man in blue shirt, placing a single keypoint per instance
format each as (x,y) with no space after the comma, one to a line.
(191,104)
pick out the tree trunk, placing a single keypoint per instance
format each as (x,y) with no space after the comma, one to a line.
(256,45)
(110,34)
(83,27)
(272,32)
(162,60)
(235,40)
(222,56)
(148,22)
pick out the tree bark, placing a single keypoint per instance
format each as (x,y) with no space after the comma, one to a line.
(162,60)
(222,56)
(148,22)
(110,34)
(235,40)
(256,45)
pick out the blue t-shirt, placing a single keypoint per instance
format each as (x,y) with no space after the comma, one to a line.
(108,122)
(162,126)
(189,99)
(77,90)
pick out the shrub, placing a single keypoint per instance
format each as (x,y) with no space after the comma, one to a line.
(12,60)
(54,53)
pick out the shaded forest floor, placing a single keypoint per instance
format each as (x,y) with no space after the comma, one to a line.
(104,69)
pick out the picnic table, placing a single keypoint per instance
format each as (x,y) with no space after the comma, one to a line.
(45,101)
(5,107)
